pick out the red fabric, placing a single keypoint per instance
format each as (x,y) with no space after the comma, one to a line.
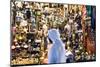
(90,46)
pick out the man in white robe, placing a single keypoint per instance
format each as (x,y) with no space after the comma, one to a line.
(56,53)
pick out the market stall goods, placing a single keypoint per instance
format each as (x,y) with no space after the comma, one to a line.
(33,42)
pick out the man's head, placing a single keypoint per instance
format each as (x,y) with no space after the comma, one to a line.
(53,35)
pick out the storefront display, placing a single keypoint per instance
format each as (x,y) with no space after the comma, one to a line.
(32,41)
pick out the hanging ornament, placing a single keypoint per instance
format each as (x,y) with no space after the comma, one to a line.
(13,47)
(18,46)
(73,36)
(14,29)
(29,40)
(18,4)
(23,23)
(15,40)
(25,30)
(68,42)
(20,37)
(25,46)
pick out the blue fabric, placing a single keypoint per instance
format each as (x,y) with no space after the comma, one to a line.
(57,52)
